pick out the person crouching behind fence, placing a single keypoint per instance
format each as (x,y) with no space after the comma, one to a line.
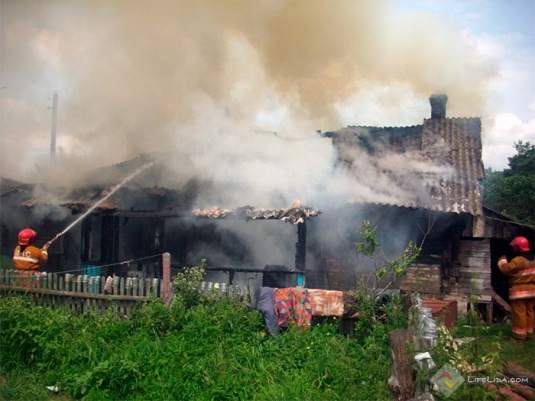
(521,273)
(28,257)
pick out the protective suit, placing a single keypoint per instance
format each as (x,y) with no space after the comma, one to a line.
(521,273)
(27,256)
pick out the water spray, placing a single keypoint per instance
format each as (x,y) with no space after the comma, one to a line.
(138,171)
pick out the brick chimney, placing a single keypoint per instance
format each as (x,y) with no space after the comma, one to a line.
(438,105)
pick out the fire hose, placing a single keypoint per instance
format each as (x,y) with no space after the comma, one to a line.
(139,170)
(53,240)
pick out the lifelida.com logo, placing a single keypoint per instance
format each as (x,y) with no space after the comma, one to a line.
(447,380)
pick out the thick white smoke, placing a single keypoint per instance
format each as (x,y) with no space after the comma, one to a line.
(204,77)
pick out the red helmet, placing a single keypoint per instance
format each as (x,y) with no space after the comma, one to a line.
(27,236)
(520,244)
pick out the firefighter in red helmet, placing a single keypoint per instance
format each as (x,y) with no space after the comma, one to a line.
(27,256)
(521,273)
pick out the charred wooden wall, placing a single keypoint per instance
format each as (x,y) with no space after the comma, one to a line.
(333,274)
(300,247)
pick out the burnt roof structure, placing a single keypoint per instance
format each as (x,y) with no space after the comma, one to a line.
(10,187)
(436,165)
(295,214)
(140,197)
(137,183)
(446,151)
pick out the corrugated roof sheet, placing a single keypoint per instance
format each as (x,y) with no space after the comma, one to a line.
(460,139)
(449,148)
(137,195)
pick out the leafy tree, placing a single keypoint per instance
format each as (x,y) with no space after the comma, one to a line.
(371,287)
(512,191)
(385,271)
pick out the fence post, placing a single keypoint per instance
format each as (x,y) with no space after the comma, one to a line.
(166,276)
(401,382)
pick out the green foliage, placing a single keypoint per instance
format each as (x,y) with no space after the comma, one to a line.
(186,285)
(394,313)
(474,328)
(512,191)
(370,244)
(494,343)
(219,351)
(524,161)
(468,358)
(464,360)
(116,375)
(408,257)
(153,316)
(22,384)
(383,267)
(376,321)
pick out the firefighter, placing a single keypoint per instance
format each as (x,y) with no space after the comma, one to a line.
(28,257)
(521,273)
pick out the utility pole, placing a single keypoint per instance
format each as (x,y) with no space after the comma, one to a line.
(54,125)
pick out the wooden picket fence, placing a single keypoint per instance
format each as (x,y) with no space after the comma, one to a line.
(81,292)
(217,290)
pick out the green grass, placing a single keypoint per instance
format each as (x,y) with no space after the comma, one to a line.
(214,350)
(495,338)
(22,384)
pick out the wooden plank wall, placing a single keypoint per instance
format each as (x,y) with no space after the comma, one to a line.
(471,271)
(474,268)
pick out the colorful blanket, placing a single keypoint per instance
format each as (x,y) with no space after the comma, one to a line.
(292,306)
(326,302)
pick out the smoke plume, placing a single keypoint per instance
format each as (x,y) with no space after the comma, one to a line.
(236,89)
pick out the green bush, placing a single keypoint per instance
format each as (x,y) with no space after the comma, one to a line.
(152,316)
(186,285)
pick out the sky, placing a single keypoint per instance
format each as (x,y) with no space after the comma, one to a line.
(239,88)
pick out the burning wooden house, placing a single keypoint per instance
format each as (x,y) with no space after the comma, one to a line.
(128,232)
(463,239)
(433,174)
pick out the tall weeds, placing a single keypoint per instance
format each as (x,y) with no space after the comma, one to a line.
(216,349)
